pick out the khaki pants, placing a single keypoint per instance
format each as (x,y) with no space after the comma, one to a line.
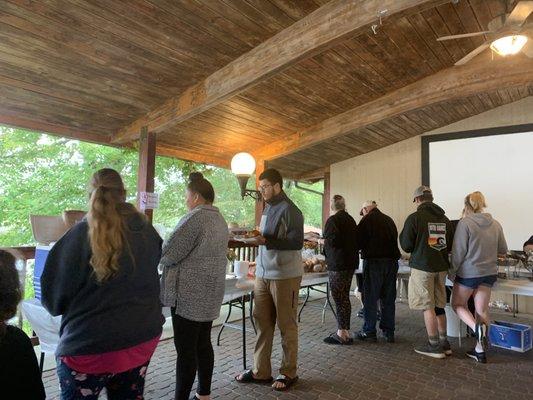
(276,301)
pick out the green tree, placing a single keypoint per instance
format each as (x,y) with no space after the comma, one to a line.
(43,174)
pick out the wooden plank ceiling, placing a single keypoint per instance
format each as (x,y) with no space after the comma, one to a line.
(95,70)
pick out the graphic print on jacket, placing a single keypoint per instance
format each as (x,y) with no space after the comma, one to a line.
(437,235)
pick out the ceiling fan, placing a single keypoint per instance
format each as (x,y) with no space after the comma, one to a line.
(506,35)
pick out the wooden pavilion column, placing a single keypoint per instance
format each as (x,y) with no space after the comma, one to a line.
(326,198)
(146,173)
(260,166)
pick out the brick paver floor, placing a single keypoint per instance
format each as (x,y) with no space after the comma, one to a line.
(362,371)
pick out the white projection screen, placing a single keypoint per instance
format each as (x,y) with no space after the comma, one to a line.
(498,162)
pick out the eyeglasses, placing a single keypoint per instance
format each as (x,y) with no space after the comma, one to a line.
(262,188)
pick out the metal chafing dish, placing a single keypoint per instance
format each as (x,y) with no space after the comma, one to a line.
(517,264)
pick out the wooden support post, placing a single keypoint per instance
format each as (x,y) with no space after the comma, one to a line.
(326,198)
(146,173)
(260,166)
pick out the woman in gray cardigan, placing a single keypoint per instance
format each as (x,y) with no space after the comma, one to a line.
(478,241)
(194,268)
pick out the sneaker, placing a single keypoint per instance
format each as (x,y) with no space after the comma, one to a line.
(368,337)
(481,335)
(479,357)
(446,347)
(431,350)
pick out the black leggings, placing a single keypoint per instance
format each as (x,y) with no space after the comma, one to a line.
(194,353)
(340,283)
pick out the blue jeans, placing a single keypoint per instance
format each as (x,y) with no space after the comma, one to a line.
(77,386)
(379,284)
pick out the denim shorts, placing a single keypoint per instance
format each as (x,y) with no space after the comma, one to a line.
(474,283)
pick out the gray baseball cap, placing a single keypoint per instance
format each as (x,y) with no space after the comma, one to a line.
(421,190)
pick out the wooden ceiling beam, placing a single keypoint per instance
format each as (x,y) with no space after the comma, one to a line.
(452,83)
(192,156)
(313,34)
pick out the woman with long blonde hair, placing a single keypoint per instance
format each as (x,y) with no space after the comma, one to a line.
(478,241)
(101,276)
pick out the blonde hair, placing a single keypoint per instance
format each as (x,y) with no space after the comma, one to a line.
(474,203)
(106,229)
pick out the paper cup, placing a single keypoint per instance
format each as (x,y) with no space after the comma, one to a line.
(241,268)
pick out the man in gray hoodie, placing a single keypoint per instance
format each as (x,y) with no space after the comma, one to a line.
(277,284)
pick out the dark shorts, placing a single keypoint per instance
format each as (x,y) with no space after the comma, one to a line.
(474,283)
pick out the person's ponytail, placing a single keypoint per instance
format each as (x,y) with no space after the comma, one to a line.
(106,229)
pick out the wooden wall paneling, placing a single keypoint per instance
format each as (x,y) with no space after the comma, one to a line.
(33,83)
(362,68)
(86,47)
(302,83)
(394,70)
(439,27)
(482,12)
(211,124)
(68,80)
(357,46)
(271,11)
(180,46)
(497,7)
(246,128)
(327,80)
(20,119)
(54,110)
(257,116)
(350,77)
(15,42)
(199,30)
(455,27)
(427,34)
(404,52)
(469,21)
(109,34)
(326,27)
(410,35)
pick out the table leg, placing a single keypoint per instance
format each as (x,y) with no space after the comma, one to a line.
(328,301)
(243,300)
(224,324)
(515,305)
(305,302)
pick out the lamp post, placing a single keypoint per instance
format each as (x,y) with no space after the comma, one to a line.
(243,166)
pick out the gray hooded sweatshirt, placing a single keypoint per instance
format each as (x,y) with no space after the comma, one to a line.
(478,241)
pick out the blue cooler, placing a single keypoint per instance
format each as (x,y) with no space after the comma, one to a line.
(41,253)
(511,336)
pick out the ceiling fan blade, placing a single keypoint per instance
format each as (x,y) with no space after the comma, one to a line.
(528,48)
(520,13)
(473,53)
(463,35)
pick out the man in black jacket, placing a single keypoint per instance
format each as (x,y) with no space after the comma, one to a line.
(377,237)
(428,235)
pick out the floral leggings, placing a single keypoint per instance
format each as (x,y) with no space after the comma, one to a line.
(125,385)
(340,283)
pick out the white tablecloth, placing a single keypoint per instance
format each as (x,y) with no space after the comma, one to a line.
(46,326)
